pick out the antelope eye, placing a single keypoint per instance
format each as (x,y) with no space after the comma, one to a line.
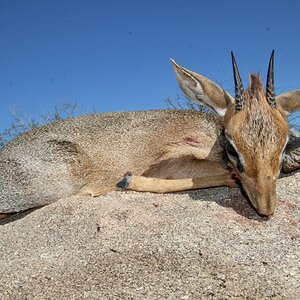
(230,150)
(234,157)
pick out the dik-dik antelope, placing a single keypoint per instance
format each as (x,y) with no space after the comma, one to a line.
(167,150)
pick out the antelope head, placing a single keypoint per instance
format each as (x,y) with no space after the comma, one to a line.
(255,128)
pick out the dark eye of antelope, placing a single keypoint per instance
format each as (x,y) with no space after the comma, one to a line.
(234,156)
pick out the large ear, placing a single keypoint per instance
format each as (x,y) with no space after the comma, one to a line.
(290,101)
(202,90)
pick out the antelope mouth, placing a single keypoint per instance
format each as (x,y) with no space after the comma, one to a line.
(262,197)
(264,206)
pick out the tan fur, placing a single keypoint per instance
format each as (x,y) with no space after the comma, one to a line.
(89,154)
(289,101)
(259,133)
(155,185)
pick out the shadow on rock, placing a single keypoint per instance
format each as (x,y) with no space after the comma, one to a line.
(17,216)
(232,198)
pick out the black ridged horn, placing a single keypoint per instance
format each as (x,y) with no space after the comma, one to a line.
(239,90)
(270,90)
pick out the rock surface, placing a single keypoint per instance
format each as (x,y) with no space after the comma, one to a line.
(206,244)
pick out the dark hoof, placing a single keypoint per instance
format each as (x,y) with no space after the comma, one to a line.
(124,183)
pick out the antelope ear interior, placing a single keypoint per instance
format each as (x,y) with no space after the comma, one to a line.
(201,90)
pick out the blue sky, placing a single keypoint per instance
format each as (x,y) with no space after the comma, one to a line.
(114,55)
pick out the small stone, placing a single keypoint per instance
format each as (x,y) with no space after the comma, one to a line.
(221,276)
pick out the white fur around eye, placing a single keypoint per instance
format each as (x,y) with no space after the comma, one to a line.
(241,157)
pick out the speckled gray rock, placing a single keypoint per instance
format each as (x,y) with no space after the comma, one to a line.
(206,244)
(291,158)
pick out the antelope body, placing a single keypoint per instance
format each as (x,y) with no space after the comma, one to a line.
(89,154)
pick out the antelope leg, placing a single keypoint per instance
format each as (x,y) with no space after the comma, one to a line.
(158,185)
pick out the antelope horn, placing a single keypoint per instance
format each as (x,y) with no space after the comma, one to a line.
(270,92)
(239,90)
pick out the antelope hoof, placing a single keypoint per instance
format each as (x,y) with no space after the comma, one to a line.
(124,183)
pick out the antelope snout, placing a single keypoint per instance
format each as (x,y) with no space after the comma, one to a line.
(264,205)
(262,195)
(266,210)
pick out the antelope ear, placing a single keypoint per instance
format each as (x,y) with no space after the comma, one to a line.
(290,101)
(202,90)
